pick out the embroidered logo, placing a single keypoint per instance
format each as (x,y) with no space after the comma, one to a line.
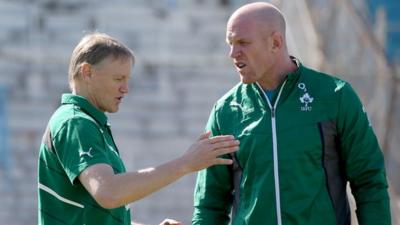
(305,99)
(82,153)
(243,108)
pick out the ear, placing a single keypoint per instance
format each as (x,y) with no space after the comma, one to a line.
(86,71)
(277,41)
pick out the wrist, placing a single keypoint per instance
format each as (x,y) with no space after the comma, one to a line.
(181,166)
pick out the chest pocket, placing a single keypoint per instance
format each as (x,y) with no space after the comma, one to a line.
(299,136)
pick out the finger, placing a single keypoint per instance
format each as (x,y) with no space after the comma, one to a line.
(204,136)
(224,151)
(220,161)
(220,138)
(225,144)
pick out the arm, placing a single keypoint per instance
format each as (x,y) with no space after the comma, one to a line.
(113,190)
(213,191)
(213,196)
(364,161)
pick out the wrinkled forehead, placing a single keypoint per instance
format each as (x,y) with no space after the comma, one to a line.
(238,19)
(238,22)
(242,27)
(253,18)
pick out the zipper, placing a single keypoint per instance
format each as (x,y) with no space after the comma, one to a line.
(275,151)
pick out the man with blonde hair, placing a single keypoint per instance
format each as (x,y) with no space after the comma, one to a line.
(82,179)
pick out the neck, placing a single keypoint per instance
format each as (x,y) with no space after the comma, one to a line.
(77,89)
(278,75)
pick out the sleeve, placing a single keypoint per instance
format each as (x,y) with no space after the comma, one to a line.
(213,191)
(78,145)
(364,161)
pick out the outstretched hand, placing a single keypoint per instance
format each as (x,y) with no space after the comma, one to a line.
(206,151)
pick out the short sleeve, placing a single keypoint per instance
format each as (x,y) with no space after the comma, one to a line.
(79,144)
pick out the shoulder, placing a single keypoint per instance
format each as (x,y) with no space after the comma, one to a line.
(236,95)
(323,83)
(72,118)
(320,77)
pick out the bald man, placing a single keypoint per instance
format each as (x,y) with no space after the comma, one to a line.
(303,136)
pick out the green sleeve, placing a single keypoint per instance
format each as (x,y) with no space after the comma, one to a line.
(364,161)
(213,190)
(75,138)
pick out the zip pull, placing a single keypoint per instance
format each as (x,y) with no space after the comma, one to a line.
(273,112)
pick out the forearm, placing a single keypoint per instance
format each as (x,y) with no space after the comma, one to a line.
(205,152)
(132,186)
(115,190)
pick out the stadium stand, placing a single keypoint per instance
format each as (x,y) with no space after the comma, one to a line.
(182,68)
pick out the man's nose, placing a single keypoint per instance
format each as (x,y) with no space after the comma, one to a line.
(125,87)
(234,52)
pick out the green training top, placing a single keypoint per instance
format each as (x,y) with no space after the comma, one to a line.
(297,154)
(76,137)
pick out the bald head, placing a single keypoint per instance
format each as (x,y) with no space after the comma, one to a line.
(264,14)
(256,36)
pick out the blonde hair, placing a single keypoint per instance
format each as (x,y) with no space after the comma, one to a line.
(92,49)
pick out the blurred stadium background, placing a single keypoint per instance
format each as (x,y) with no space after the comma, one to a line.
(182,68)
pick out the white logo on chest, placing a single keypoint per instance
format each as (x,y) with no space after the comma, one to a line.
(243,108)
(82,153)
(305,99)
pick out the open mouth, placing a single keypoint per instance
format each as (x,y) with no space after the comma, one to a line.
(240,65)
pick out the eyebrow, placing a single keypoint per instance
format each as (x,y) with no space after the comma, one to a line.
(229,37)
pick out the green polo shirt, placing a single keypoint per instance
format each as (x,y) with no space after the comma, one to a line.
(76,137)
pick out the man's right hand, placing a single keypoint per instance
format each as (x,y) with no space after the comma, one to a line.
(206,152)
(112,190)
